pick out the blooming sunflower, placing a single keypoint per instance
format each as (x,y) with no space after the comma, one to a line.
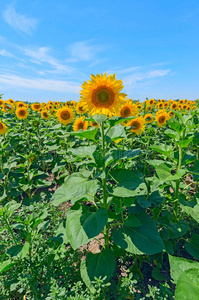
(174,105)
(148,118)
(94,124)
(80,109)
(1,102)
(36,106)
(129,109)
(161,118)
(80,124)
(10,100)
(137,125)
(21,104)
(102,95)
(171,114)
(45,114)
(3,128)
(21,113)
(65,115)
(8,107)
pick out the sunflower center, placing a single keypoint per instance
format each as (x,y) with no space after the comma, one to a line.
(81,125)
(135,125)
(126,112)
(161,119)
(65,115)
(37,106)
(1,126)
(103,96)
(22,113)
(45,115)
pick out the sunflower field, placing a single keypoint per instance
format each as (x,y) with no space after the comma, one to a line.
(99,199)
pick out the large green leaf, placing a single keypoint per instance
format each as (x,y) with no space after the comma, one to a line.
(129,183)
(143,239)
(187,286)
(173,134)
(83,227)
(6,265)
(116,132)
(164,173)
(192,246)
(87,134)
(85,151)
(116,155)
(178,265)
(75,188)
(163,149)
(97,265)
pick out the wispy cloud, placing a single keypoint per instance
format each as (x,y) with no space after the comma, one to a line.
(83,51)
(140,76)
(5,53)
(40,83)
(18,21)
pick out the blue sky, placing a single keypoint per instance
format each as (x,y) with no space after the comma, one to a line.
(49,48)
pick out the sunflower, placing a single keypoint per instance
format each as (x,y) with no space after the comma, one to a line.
(137,125)
(3,128)
(160,105)
(8,107)
(161,118)
(65,115)
(10,101)
(36,106)
(45,114)
(148,118)
(80,124)
(21,113)
(166,104)
(171,114)
(80,109)
(151,101)
(35,123)
(1,102)
(129,109)
(94,124)
(174,105)
(181,101)
(102,95)
(21,104)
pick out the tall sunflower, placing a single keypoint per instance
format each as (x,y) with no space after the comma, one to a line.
(161,118)
(129,109)
(21,113)
(102,95)
(80,124)
(148,118)
(65,115)
(80,109)
(45,114)
(3,128)
(36,106)
(137,125)
(1,102)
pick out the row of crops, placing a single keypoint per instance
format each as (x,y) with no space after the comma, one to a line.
(99,199)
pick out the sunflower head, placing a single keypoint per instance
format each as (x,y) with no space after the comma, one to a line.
(137,125)
(65,115)
(80,109)
(148,118)
(10,101)
(8,107)
(21,113)
(174,105)
(3,128)
(161,118)
(35,123)
(45,114)
(171,114)
(94,124)
(1,102)
(129,109)
(21,104)
(36,106)
(102,95)
(80,124)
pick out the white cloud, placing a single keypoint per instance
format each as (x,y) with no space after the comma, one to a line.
(18,21)
(83,51)
(133,78)
(41,84)
(5,53)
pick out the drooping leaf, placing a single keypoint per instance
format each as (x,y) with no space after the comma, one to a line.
(83,227)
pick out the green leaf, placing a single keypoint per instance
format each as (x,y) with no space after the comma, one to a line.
(98,265)
(129,183)
(187,286)
(164,173)
(178,265)
(116,132)
(83,227)
(6,265)
(163,149)
(192,247)
(141,239)
(116,155)
(175,126)
(87,134)
(116,120)
(185,143)
(190,208)
(75,188)
(86,151)
(172,134)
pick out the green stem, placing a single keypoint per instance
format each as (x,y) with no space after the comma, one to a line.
(10,230)
(175,208)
